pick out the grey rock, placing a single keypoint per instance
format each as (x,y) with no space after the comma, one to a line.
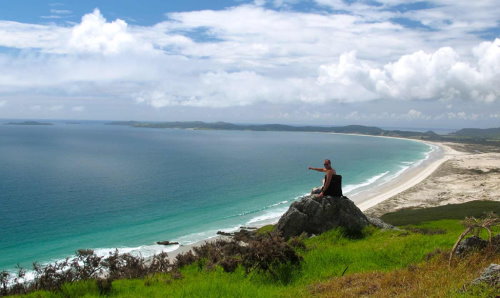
(316,190)
(312,215)
(380,223)
(490,275)
(470,244)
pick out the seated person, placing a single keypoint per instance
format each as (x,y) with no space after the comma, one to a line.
(332,184)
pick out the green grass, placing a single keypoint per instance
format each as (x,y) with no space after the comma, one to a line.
(265,229)
(326,258)
(452,211)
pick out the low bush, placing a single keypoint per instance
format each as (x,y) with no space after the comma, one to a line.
(267,253)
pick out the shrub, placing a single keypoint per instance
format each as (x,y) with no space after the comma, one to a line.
(268,252)
(185,259)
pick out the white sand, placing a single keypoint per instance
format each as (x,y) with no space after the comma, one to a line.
(406,180)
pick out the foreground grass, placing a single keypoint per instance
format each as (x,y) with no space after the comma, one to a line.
(406,263)
(433,278)
(380,263)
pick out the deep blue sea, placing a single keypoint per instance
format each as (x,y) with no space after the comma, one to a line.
(71,186)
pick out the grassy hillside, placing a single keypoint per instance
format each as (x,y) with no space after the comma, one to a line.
(453,211)
(477,132)
(379,263)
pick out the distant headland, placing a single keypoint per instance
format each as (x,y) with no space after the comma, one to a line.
(28,123)
(466,135)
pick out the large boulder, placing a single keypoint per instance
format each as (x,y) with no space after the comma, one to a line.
(313,215)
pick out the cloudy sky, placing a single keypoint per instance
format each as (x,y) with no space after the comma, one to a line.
(389,63)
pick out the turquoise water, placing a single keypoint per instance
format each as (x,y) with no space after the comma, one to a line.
(66,187)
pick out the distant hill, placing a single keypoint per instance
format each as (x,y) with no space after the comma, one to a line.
(256,127)
(28,123)
(479,133)
(482,136)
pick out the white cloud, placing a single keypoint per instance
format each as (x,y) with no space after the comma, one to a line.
(3,103)
(78,108)
(56,108)
(439,75)
(248,54)
(464,116)
(23,36)
(414,114)
(60,11)
(92,35)
(51,17)
(95,35)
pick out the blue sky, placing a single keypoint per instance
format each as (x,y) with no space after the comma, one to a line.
(136,12)
(325,62)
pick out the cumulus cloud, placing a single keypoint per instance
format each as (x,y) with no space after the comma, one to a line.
(438,75)
(92,35)
(95,35)
(250,54)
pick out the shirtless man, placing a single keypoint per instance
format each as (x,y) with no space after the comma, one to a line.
(325,190)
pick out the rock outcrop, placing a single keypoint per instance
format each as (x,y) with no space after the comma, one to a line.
(476,243)
(470,244)
(167,243)
(313,215)
(380,223)
(490,275)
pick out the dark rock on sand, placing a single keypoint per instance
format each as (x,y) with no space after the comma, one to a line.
(312,215)
(166,243)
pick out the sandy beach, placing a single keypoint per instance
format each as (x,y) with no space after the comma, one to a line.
(465,172)
(410,177)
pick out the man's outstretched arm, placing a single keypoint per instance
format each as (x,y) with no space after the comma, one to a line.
(317,169)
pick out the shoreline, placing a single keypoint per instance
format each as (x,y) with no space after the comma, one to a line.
(385,197)
(407,179)
(376,194)
(364,199)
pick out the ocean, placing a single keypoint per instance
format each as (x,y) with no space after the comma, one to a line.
(65,187)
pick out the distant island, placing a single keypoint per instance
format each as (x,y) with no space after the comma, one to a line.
(466,135)
(28,123)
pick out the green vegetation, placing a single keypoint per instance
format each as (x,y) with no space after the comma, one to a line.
(477,132)
(412,216)
(381,263)
(265,229)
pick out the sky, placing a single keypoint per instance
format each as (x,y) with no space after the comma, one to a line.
(386,63)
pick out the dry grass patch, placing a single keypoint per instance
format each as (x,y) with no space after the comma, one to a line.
(433,278)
